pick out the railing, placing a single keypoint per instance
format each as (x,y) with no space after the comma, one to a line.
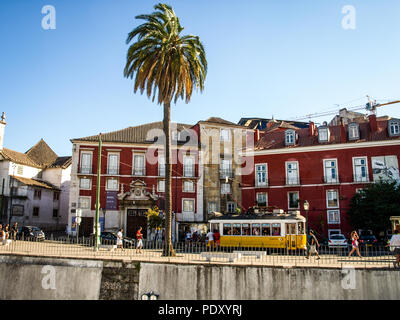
(260,184)
(85,169)
(199,251)
(188,172)
(331,180)
(292,181)
(358,178)
(138,171)
(113,170)
(223,173)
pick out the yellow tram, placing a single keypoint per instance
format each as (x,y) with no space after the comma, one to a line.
(285,231)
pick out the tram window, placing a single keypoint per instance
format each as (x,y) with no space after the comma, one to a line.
(246,229)
(266,229)
(256,229)
(236,229)
(227,229)
(215,227)
(276,229)
(301,227)
(290,228)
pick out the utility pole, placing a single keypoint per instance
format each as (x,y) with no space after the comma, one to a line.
(97,234)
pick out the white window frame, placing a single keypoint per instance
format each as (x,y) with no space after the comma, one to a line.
(134,167)
(227,207)
(224,134)
(222,189)
(84,197)
(292,134)
(287,163)
(326,130)
(112,189)
(188,190)
(208,206)
(366,178)
(266,197)
(394,124)
(263,184)
(298,198)
(161,164)
(353,128)
(327,198)
(89,168)
(183,204)
(329,212)
(336,180)
(158,186)
(108,163)
(226,168)
(191,173)
(80,184)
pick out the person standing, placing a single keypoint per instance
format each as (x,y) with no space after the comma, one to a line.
(14,231)
(2,234)
(119,239)
(395,246)
(354,244)
(139,237)
(313,244)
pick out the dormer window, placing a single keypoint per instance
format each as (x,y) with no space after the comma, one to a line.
(323,134)
(290,137)
(354,131)
(394,128)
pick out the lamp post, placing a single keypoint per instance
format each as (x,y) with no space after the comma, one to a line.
(306,207)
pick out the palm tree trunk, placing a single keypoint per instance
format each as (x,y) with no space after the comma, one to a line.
(168,248)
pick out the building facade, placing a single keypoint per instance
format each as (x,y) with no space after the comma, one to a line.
(325,166)
(133,178)
(34,186)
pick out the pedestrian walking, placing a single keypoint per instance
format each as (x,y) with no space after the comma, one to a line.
(210,239)
(313,244)
(139,244)
(119,239)
(354,243)
(2,234)
(395,247)
(5,235)
(217,237)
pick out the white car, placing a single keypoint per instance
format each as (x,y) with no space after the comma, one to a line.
(337,241)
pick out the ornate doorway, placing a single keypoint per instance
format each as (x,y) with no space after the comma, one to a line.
(136,218)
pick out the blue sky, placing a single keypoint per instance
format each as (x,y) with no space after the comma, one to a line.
(282,58)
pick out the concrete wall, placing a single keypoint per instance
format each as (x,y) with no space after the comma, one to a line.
(200,282)
(49,279)
(53,278)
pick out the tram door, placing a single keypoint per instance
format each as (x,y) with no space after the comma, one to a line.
(291,236)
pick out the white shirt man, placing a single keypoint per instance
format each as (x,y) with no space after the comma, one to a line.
(210,236)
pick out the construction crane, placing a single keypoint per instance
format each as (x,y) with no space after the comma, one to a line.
(371,106)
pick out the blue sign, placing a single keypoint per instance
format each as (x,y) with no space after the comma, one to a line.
(111,200)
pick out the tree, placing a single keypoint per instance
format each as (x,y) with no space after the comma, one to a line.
(169,65)
(371,207)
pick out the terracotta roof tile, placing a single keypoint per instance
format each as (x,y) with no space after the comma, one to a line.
(42,154)
(35,183)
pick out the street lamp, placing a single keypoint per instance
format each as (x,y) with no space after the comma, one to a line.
(306,207)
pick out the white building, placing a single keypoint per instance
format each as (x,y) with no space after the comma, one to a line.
(34,186)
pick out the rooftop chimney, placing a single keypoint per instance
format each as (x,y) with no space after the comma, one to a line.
(372,122)
(311,129)
(343,137)
(2,127)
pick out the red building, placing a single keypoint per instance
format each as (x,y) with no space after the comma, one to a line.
(324,165)
(133,177)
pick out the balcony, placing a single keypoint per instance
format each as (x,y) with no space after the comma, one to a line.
(293,181)
(113,170)
(261,184)
(361,178)
(139,171)
(85,169)
(331,180)
(188,172)
(224,173)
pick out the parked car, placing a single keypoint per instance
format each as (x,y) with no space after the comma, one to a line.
(337,241)
(111,238)
(31,233)
(368,240)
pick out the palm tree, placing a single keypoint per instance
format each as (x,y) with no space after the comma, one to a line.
(168,65)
